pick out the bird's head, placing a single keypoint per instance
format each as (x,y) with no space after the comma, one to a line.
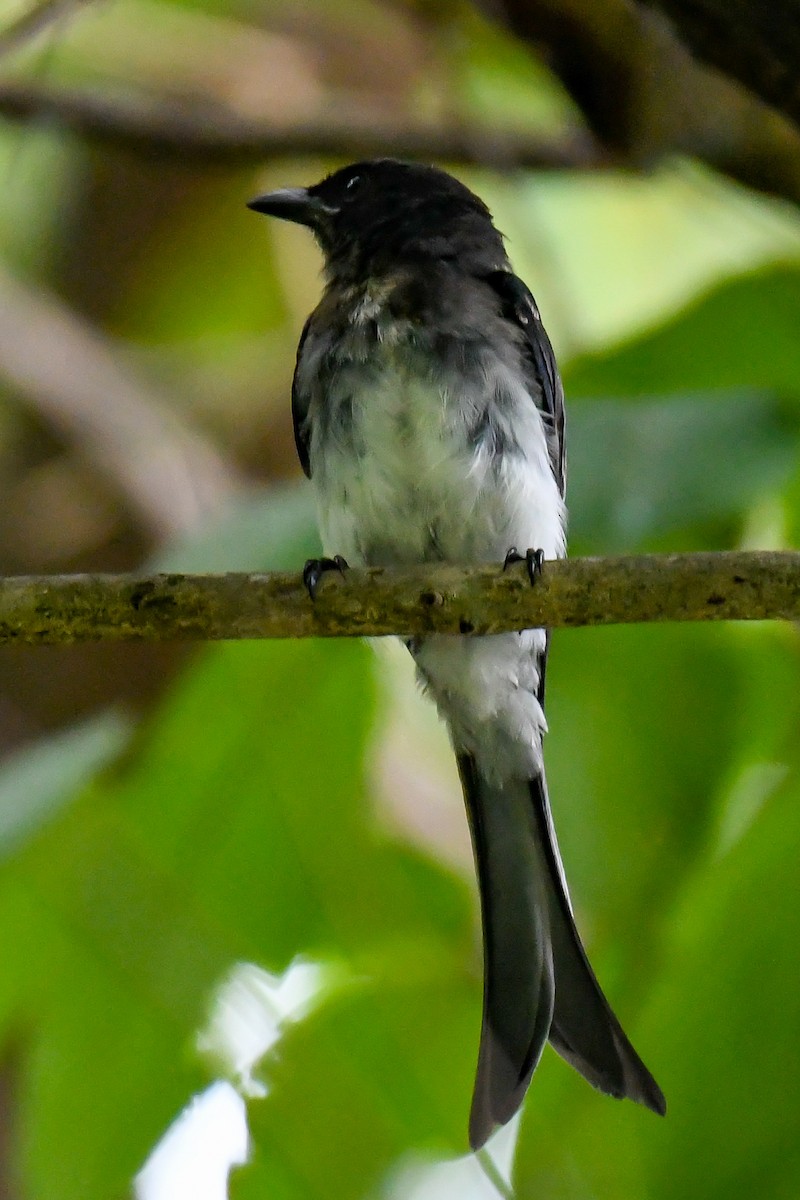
(371,217)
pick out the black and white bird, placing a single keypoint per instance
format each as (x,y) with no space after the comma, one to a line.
(429,415)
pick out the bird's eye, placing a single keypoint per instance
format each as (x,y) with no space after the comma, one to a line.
(353,184)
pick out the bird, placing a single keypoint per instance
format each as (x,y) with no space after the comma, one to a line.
(428,413)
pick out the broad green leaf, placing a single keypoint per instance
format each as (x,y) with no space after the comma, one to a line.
(105,1075)
(730,1055)
(609,254)
(267,814)
(721,1032)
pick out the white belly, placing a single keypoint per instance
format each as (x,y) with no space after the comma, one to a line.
(407,483)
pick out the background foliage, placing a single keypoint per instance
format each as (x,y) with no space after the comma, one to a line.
(166,813)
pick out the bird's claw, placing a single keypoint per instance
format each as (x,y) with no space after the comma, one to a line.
(315,568)
(533,559)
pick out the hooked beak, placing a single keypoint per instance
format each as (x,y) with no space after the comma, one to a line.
(293,204)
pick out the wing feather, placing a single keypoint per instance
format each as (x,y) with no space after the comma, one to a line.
(519,307)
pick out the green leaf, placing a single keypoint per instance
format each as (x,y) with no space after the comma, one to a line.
(240,829)
(700,945)
(743,334)
(673,474)
(733,1047)
(376,1072)
(267,801)
(721,1034)
(643,738)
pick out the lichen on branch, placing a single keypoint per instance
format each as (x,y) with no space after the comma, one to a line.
(430,598)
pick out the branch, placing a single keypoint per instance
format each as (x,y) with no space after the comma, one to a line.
(213,134)
(425,599)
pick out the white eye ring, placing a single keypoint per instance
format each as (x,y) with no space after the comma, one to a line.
(352,182)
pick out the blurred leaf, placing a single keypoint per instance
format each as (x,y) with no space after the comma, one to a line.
(273,530)
(38,780)
(33,162)
(644,725)
(609,254)
(271,735)
(117,984)
(105,1076)
(673,474)
(206,273)
(240,829)
(792,511)
(372,1074)
(720,1030)
(743,334)
(671,892)
(727,1055)
(499,76)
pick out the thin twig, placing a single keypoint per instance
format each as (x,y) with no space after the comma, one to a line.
(435,598)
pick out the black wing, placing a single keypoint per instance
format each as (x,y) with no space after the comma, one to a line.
(519,306)
(300,403)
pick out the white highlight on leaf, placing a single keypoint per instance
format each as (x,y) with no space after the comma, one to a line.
(195,1155)
(251,1009)
(248,1015)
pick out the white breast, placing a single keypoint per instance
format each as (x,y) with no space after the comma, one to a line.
(403,473)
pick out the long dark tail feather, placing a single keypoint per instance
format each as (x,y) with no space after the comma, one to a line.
(518,984)
(537,979)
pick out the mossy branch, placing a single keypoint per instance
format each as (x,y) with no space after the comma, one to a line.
(435,598)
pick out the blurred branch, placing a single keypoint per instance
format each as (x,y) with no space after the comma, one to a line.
(202,132)
(434,598)
(34,21)
(645,97)
(642,93)
(80,386)
(755,42)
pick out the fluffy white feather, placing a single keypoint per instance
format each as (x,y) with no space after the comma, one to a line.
(401,478)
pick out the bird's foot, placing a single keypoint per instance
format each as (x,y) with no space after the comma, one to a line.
(533,559)
(315,568)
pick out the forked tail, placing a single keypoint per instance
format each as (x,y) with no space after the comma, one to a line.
(537,979)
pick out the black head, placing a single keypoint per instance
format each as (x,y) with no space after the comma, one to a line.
(373,216)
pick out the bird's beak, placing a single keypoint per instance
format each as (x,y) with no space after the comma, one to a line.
(293,204)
